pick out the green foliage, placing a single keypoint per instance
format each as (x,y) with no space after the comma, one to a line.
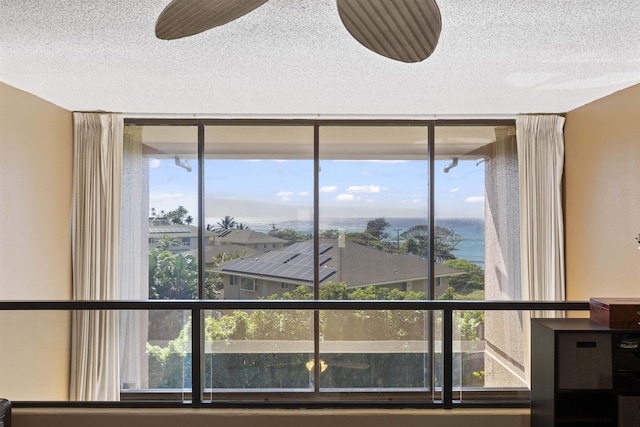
(449,294)
(468,324)
(364,239)
(475,295)
(226,223)
(172,276)
(291,236)
(175,276)
(180,215)
(330,234)
(376,228)
(445,242)
(471,280)
(167,364)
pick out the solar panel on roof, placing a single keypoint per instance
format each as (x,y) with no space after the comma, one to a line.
(278,256)
(294,262)
(324,247)
(325,273)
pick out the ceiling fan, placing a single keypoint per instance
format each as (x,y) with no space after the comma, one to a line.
(403,30)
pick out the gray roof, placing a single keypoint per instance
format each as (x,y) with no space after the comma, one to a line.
(355,264)
(245,237)
(212,251)
(191,230)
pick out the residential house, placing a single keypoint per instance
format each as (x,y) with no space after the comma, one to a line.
(249,239)
(356,265)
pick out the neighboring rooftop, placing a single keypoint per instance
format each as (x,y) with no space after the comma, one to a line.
(355,264)
(245,237)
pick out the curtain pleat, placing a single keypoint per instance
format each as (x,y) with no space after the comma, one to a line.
(97,178)
(541,161)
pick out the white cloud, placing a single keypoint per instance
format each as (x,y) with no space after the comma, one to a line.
(354,189)
(303,193)
(328,189)
(154,163)
(474,199)
(454,190)
(345,197)
(284,196)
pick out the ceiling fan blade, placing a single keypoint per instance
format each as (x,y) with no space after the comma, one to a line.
(404,30)
(183,18)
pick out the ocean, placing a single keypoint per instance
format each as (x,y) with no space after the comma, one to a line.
(471,230)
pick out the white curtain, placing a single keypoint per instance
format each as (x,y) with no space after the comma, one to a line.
(97,177)
(541,162)
(134,260)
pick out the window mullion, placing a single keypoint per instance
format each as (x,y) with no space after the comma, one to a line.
(197,317)
(316,255)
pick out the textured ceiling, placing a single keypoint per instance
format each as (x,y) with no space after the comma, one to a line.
(295,58)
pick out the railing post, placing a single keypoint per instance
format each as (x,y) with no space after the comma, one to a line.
(197,360)
(447,358)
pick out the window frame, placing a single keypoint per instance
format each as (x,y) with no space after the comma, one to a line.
(430,126)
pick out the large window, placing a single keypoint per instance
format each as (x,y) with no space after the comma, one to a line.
(280,210)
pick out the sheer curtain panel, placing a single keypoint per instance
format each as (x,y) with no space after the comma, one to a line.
(541,162)
(97,178)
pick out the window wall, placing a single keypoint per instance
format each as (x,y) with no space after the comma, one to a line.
(329,210)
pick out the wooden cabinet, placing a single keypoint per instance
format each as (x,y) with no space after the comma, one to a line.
(583,374)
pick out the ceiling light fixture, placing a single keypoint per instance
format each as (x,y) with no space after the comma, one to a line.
(403,30)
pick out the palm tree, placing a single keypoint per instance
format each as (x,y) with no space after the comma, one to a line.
(241,226)
(226,223)
(188,220)
(167,242)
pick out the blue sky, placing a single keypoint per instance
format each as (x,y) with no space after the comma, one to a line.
(253,190)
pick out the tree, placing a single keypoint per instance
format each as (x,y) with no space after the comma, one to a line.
(471,280)
(445,242)
(291,236)
(242,226)
(376,228)
(176,216)
(330,234)
(226,223)
(364,239)
(449,294)
(166,242)
(180,215)
(174,276)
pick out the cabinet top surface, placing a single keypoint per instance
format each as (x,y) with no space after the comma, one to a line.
(576,325)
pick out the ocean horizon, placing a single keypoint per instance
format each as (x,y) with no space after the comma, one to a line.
(471,230)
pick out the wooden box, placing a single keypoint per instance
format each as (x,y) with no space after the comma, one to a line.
(621,313)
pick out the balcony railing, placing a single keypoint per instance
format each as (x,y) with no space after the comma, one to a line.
(197,309)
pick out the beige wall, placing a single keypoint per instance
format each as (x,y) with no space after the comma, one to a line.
(36,141)
(602,187)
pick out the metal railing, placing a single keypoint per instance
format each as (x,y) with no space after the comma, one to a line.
(197,308)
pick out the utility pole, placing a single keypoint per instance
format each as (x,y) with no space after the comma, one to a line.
(397,230)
